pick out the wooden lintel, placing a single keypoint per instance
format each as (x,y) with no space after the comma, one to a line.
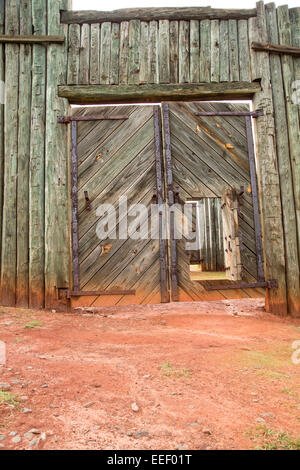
(31,39)
(276,48)
(78,94)
(149,14)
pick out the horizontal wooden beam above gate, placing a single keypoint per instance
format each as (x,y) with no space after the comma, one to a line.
(149,14)
(31,39)
(276,48)
(96,94)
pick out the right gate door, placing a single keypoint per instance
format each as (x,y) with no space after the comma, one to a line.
(207,166)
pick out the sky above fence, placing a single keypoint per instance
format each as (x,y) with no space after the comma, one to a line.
(116,4)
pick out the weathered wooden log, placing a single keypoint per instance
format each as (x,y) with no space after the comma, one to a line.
(37,162)
(24,126)
(154,92)
(148,14)
(274,257)
(2,93)
(28,39)
(57,249)
(276,48)
(9,227)
(285,170)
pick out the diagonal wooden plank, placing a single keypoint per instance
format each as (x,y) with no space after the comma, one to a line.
(92,251)
(214,137)
(136,144)
(105,141)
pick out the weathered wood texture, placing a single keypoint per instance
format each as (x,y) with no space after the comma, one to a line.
(284,166)
(161,51)
(2,97)
(135,56)
(57,238)
(148,14)
(77,94)
(28,132)
(275,262)
(9,223)
(116,158)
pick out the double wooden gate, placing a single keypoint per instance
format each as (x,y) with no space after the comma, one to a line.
(127,160)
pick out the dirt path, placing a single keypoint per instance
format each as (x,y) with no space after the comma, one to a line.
(213,375)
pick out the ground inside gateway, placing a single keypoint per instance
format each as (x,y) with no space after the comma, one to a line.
(210,375)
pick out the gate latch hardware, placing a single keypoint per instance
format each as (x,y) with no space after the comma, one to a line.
(155,197)
(87,201)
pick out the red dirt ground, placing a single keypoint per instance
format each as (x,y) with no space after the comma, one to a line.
(204,376)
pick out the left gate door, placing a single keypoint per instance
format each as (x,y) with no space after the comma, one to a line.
(119,166)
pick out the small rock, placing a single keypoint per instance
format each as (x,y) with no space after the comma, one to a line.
(29,367)
(191,407)
(15,382)
(28,436)
(146,376)
(255,400)
(24,398)
(207,432)
(16,439)
(26,411)
(129,433)
(34,431)
(260,420)
(88,405)
(134,407)
(53,311)
(12,433)
(1,446)
(34,442)
(140,434)
(44,386)
(267,415)
(193,425)
(43,436)
(2,437)
(96,428)
(53,406)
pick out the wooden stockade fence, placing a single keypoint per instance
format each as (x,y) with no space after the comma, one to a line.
(151,54)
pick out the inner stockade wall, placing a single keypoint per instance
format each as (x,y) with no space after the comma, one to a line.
(149,54)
